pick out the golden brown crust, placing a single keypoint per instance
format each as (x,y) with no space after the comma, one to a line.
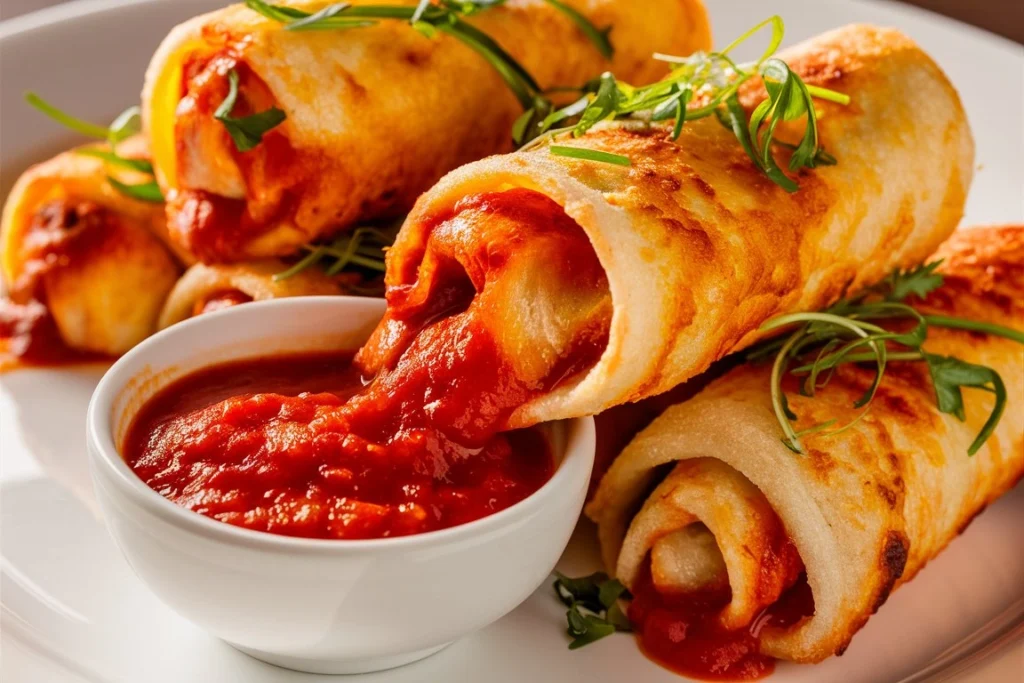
(254,280)
(94,256)
(867,508)
(364,136)
(700,248)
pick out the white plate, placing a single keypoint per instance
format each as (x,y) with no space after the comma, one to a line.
(73,611)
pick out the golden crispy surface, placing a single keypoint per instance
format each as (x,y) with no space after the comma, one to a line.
(376,115)
(254,279)
(700,248)
(74,177)
(103,279)
(869,507)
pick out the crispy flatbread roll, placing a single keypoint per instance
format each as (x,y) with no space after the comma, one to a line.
(375,115)
(863,511)
(696,246)
(94,256)
(205,288)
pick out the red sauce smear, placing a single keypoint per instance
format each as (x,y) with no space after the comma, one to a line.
(283,183)
(29,338)
(263,444)
(59,232)
(219,301)
(681,631)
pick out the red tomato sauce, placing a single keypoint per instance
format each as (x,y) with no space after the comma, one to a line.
(268,444)
(681,632)
(219,301)
(29,338)
(418,447)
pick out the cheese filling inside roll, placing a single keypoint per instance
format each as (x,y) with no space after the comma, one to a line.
(660,268)
(476,305)
(797,551)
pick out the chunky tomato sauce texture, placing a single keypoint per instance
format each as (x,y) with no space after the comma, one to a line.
(268,444)
(304,447)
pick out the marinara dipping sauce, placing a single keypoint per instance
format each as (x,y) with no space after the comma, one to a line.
(269,444)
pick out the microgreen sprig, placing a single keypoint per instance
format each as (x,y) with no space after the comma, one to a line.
(593,603)
(126,124)
(698,86)
(363,247)
(851,332)
(431,18)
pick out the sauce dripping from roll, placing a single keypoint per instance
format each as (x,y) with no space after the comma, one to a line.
(447,377)
(682,632)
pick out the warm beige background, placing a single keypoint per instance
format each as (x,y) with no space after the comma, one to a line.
(1005,17)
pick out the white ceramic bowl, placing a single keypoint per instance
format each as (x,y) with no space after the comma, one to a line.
(318,605)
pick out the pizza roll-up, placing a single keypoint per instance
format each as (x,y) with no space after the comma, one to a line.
(375,114)
(860,512)
(93,256)
(602,284)
(205,288)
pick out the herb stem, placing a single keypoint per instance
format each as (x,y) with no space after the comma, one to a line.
(67,120)
(975,326)
(305,262)
(828,95)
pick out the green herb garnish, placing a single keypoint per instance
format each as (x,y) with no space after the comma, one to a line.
(426,17)
(598,36)
(364,248)
(246,131)
(589,155)
(593,603)
(698,86)
(851,331)
(126,124)
(147,192)
(114,159)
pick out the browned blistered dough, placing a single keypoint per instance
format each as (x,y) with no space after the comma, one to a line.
(254,280)
(375,115)
(94,256)
(700,248)
(867,508)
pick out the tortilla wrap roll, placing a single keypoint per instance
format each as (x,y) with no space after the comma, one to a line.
(863,511)
(697,248)
(94,256)
(375,115)
(206,288)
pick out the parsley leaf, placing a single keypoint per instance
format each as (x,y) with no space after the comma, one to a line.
(147,192)
(918,281)
(247,131)
(951,375)
(850,332)
(593,603)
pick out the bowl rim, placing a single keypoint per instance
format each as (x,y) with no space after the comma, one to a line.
(106,462)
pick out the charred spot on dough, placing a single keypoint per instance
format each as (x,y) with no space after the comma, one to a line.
(821,462)
(667,183)
(698,244)
(890,496)
(897,405)
(893,561)
(416,58)
(703,186)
